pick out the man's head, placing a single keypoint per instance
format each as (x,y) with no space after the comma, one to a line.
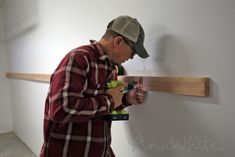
(127,38)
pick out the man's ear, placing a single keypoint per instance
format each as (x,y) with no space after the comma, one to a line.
(117,41)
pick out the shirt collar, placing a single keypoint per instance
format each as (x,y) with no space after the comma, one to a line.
(98,46)
(102,56)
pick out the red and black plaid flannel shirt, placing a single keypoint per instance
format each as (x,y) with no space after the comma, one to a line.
(76,102)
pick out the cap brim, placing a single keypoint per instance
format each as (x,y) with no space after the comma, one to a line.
(141,51)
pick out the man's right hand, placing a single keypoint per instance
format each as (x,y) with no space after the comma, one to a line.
(117,94)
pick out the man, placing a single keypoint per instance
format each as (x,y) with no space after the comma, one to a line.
(78,98)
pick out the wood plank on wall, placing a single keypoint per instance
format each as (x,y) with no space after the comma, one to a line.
(30,76)
(191,86)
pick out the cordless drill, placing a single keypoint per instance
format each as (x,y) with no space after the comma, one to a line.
(122,114)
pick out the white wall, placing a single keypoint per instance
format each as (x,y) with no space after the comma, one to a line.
(184,38)
(5,106)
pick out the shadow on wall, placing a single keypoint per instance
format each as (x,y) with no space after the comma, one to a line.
(174,61)
(169,125)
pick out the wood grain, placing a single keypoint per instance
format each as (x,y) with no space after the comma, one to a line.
(178,85)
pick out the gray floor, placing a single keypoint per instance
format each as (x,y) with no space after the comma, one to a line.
(11,146)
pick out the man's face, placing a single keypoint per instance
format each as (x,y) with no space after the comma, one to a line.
(123,50)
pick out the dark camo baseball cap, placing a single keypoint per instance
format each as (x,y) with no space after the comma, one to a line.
(131,29)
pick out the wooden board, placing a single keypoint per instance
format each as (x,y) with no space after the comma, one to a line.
(191,86)
(30,76)
(178,85)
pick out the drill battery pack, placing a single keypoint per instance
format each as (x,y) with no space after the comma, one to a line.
(117,115)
